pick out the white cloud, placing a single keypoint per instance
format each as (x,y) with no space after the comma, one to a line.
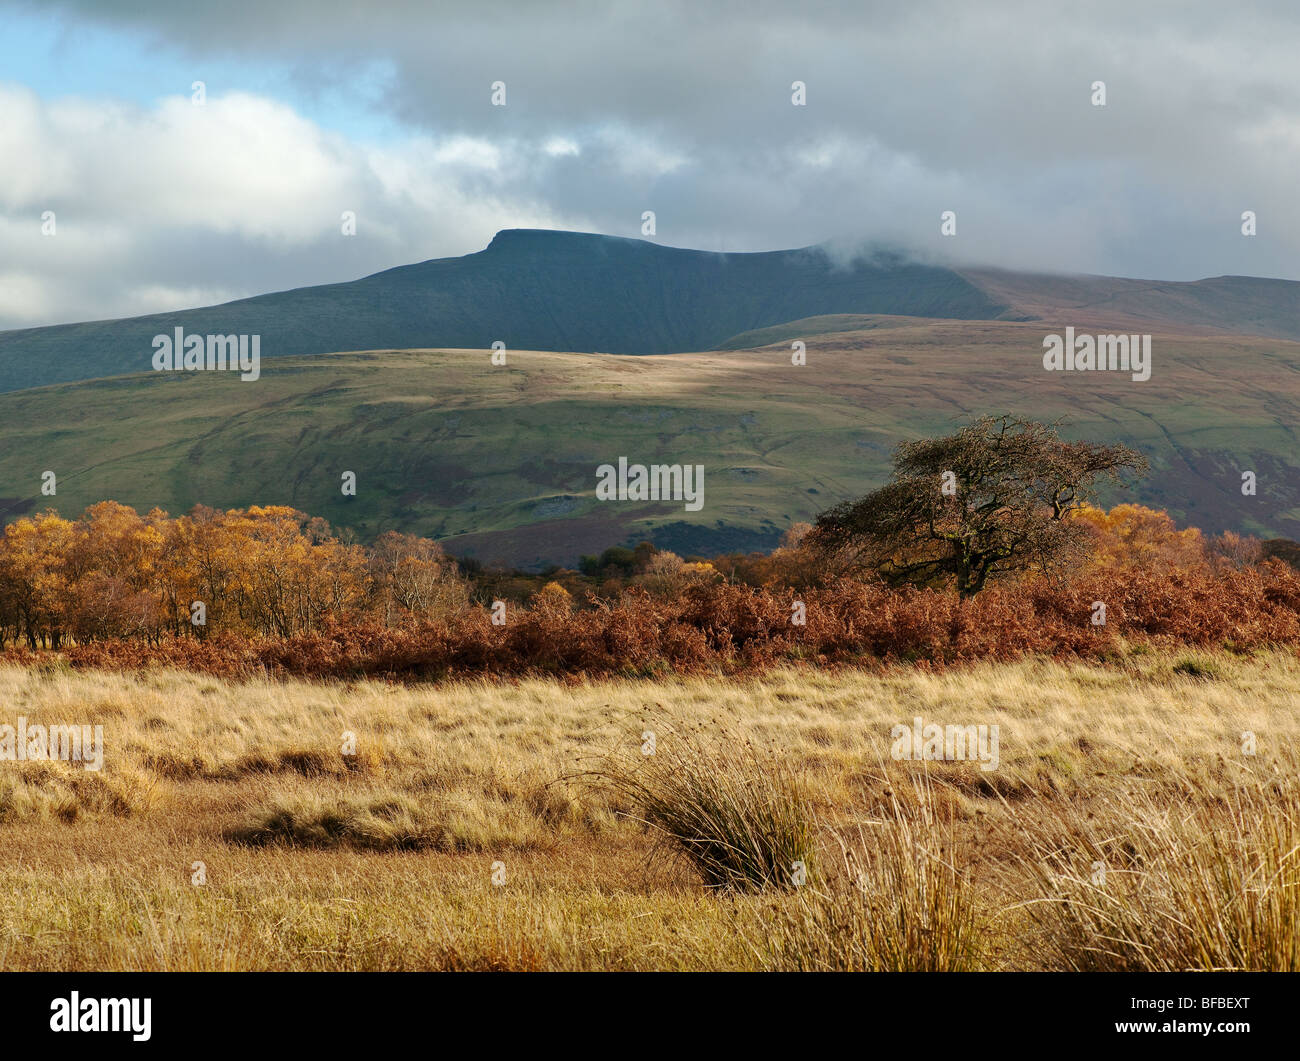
(160,298)
(182,204)
(23,298)
(560,146)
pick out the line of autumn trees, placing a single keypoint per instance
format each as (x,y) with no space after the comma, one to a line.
(271,571)
(999,500)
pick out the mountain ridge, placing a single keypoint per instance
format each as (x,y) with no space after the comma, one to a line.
(557,290)
(529,288)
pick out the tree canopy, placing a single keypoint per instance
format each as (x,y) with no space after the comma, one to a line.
(992,498)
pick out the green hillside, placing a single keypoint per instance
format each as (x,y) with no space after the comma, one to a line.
(501,461)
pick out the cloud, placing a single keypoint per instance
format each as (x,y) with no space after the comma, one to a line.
(180,205)
(680,108)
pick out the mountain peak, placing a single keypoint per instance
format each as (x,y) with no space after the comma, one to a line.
(515,239)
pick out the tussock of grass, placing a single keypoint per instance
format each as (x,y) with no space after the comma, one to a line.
(739,815)
(897,904)
(66,792)
(1201,884)
(381,821)
(1204,667)
(306,762)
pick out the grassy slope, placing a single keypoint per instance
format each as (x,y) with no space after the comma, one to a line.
(502,460)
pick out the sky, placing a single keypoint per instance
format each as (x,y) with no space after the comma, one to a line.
(314,108)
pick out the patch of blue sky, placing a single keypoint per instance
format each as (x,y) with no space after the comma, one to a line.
(56,57)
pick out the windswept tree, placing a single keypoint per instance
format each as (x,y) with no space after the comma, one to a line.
(992,499)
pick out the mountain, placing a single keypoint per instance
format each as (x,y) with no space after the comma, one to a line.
(572,291)
(529,289)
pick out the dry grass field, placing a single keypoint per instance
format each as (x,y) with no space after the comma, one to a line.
(520,825)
